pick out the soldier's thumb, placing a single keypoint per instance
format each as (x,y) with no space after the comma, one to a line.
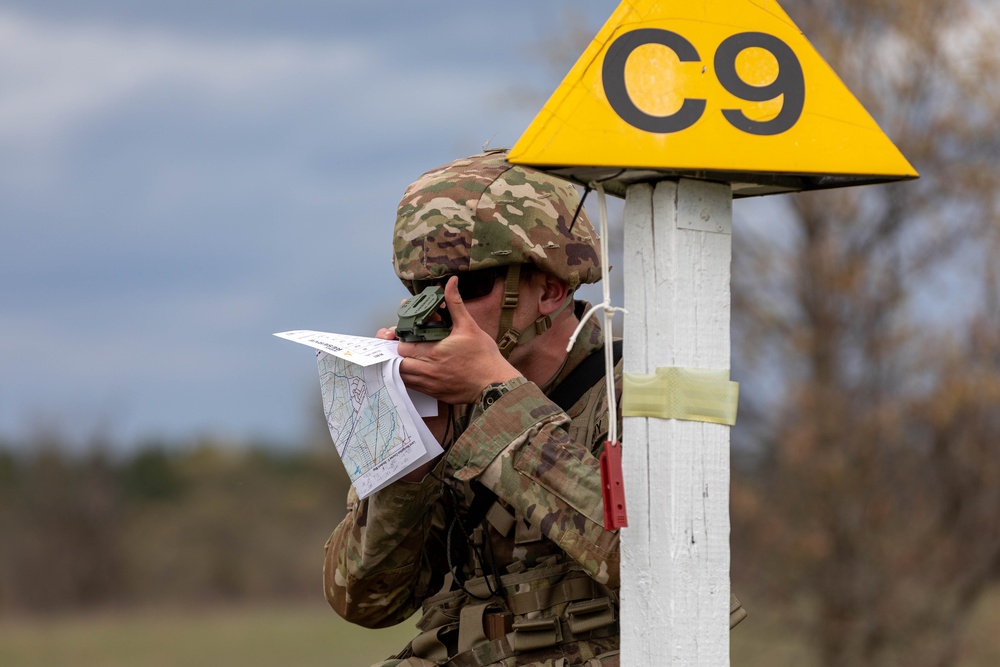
(456,307)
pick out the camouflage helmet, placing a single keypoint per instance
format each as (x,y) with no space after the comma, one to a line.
(482,212)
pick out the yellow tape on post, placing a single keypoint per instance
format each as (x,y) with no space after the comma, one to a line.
(690,394)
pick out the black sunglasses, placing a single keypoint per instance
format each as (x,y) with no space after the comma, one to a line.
(471,284)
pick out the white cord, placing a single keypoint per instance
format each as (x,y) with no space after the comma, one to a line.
(609,312)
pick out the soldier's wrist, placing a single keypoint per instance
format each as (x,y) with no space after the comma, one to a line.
(494,391)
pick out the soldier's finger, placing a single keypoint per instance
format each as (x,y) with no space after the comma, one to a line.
(459,314)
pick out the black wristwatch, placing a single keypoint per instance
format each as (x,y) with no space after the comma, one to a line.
(492,394)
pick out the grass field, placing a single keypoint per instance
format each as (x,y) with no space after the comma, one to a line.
(299,636)
(312,635)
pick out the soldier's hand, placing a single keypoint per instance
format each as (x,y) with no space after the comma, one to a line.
(389,333)
(457,369)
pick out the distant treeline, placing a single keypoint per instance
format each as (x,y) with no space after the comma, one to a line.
(205,523)
(223,523)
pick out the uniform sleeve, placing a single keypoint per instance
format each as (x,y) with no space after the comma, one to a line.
(520,449)
(378,565)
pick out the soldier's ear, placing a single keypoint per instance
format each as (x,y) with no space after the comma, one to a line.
(552,295)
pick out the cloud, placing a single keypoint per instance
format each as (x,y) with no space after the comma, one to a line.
(175,186)
(65,83)
(58,76)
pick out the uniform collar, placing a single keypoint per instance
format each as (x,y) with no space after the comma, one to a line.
(590,339)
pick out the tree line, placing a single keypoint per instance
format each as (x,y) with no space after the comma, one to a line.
(168,524)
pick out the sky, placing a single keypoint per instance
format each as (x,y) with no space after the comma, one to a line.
(179,180)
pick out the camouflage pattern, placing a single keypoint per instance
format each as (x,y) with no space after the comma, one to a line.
(388,556)
(482,212)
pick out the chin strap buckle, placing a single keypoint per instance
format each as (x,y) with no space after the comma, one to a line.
(508,342)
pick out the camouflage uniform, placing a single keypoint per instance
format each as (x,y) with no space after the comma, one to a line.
(413,544)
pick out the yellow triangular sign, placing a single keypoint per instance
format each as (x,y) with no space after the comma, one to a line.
(720,89)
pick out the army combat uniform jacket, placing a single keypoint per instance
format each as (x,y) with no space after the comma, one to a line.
(516,497)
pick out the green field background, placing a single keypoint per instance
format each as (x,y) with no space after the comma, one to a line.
(311,635)
(300,636)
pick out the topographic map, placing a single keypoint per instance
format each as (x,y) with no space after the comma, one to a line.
(376,428)
(373,439)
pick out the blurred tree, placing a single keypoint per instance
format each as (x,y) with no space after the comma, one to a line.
(173,523)
(250,524)
(206,521)
(150,475)
(60,518)
(870,381)
(866,335)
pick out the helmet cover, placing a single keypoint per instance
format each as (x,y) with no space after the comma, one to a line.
(482,212)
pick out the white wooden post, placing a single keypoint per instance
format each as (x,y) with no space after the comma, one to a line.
(675,552)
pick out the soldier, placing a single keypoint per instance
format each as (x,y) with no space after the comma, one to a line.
(501,540)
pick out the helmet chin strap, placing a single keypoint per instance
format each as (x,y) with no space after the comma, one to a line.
(507,336)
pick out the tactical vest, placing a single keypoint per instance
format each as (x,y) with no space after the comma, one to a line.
(540,608)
